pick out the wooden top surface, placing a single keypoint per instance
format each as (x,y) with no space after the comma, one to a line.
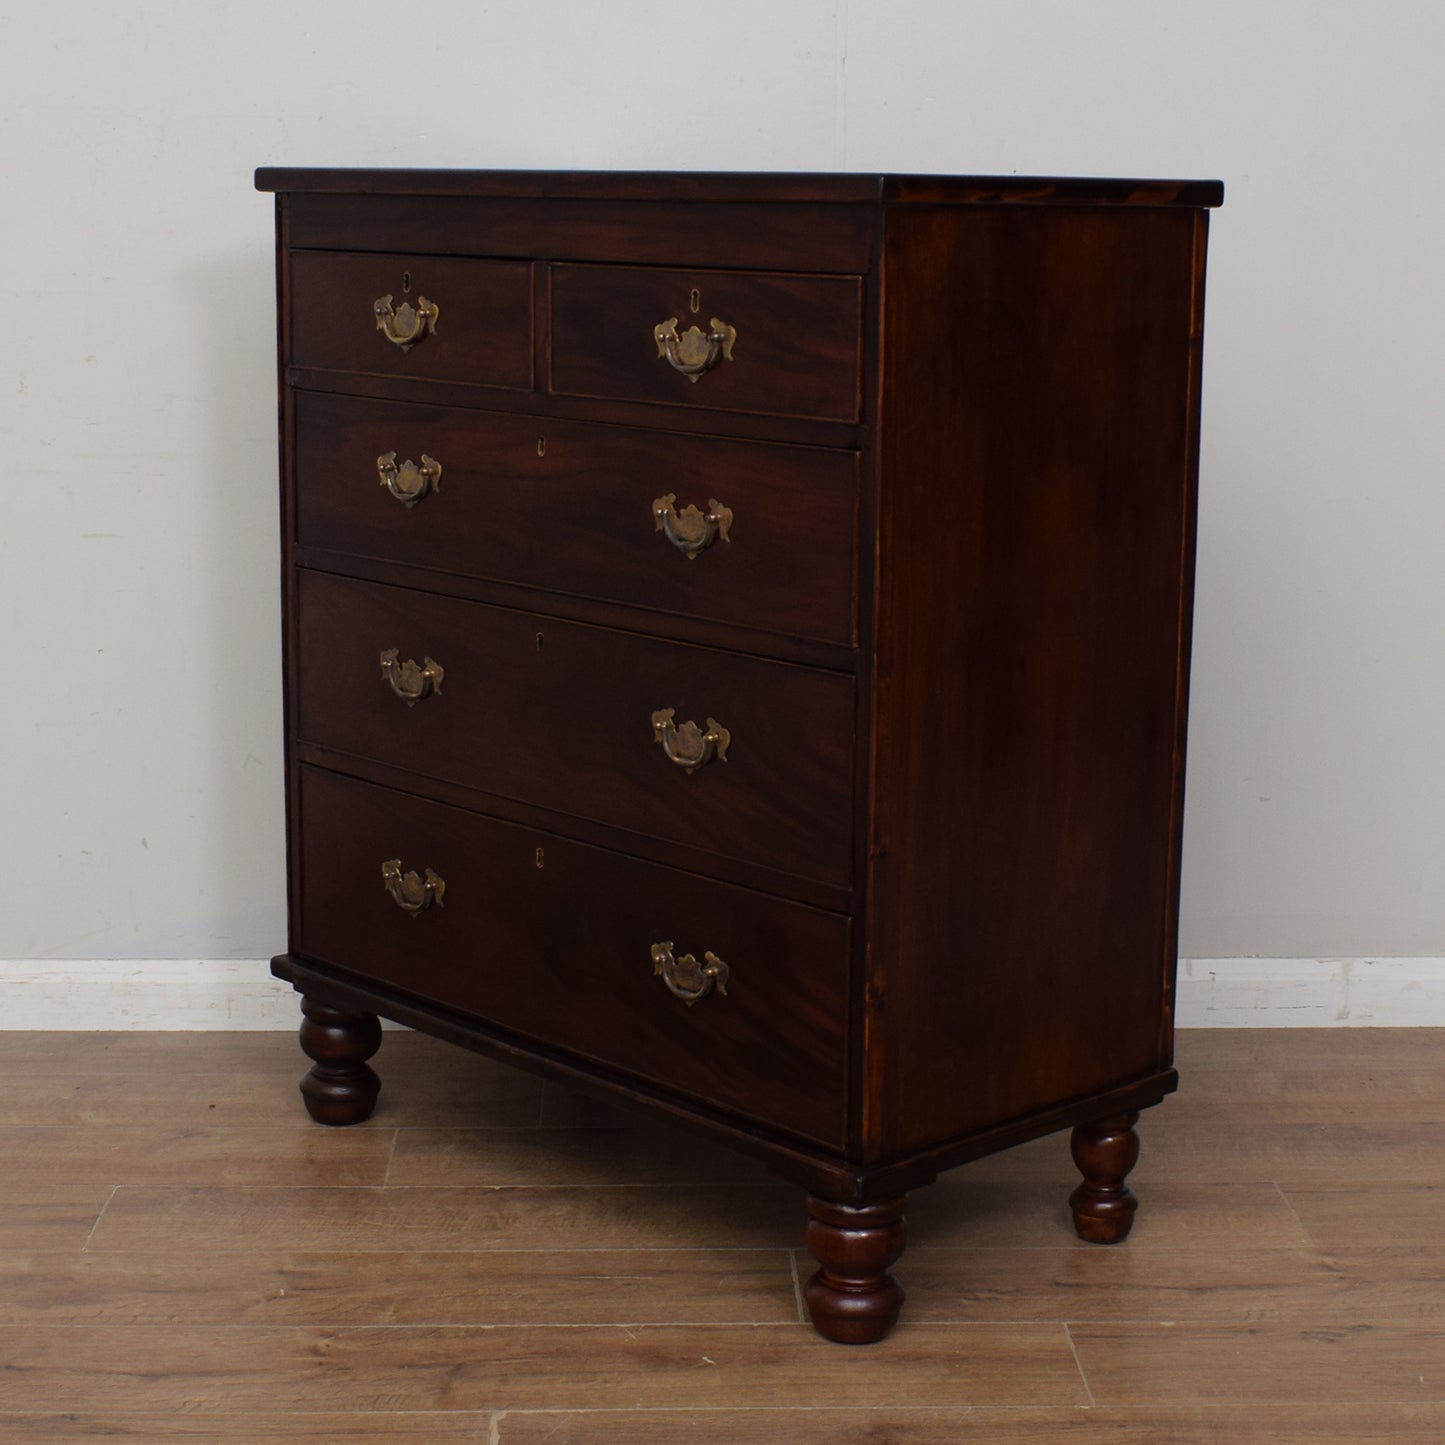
(741,186)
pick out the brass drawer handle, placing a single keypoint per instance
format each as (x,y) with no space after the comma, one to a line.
(408,681)
(689,746)
(409,483)
(685,976)
(407,325)
(689,530)
(411,894)
(692,353)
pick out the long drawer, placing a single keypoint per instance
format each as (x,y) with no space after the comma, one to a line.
(442,318)
(761,536)
(729,753)
(712,991)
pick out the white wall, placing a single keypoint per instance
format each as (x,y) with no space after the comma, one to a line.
(141,712)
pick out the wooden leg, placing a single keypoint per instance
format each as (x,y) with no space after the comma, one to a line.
(340,1089)
(852,1298)
(1105,1152)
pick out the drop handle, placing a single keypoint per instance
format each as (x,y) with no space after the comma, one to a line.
(411,892)
(689,746)
(409,483)
(406,325)
(690,530)
(408,681)
(685,977)
(694,352)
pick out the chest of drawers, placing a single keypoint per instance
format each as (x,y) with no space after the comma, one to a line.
(736,656)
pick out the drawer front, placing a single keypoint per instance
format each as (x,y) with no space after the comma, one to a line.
(575,508)
(481,332)
(795,347)
(554,940)
(561,715)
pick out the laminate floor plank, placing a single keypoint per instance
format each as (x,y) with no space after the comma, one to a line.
(1379,1215)
(925,1425)
(366,1220)
(1120,1285)
(968,1210)
(1246,1050)
(35,1226)
(380,1428)
(160,1051)
(498,1287)
(149,1369)
(27,1054)
(470,1098)
(1206,1143)
(66,1160)
(1187,1363)
(602,1157)
(1344,1095)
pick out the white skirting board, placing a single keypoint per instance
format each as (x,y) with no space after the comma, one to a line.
(241,994)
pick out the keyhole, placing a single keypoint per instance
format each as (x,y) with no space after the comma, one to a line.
(541,446)
(694,300)
(539,642)
(541,862)
(406,283)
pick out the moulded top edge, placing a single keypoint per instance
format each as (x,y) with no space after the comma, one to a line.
(742,186)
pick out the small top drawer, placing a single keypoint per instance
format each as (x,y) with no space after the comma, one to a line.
(753,341)
(441,318)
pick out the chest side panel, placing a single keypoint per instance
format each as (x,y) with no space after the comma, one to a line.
(1035,533)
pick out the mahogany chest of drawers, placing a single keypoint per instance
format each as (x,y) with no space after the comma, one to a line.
(737,639)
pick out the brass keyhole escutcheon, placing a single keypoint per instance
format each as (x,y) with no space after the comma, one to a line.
(694,300)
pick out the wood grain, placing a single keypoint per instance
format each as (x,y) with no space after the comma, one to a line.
(1233,1285)
(1339,1219)
(504,1100)
(604,1157)
(924,1425)
(730,1217)
(963,1212)
(152,1368)
(65,1160)
(32,1226)
(501,1287)
(270,1428)
(1179,1363)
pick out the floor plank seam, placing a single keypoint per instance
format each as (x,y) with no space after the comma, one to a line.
(1079,1366)
(797,1287)
(1310,1241)
(85,1248)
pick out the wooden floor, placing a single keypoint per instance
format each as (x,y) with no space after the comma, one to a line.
(183,1257)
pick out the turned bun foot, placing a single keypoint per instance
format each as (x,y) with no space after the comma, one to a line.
(340,1089)
(852,1298)
(1105,1152)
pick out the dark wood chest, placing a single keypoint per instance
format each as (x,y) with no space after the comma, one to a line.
(737,635)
